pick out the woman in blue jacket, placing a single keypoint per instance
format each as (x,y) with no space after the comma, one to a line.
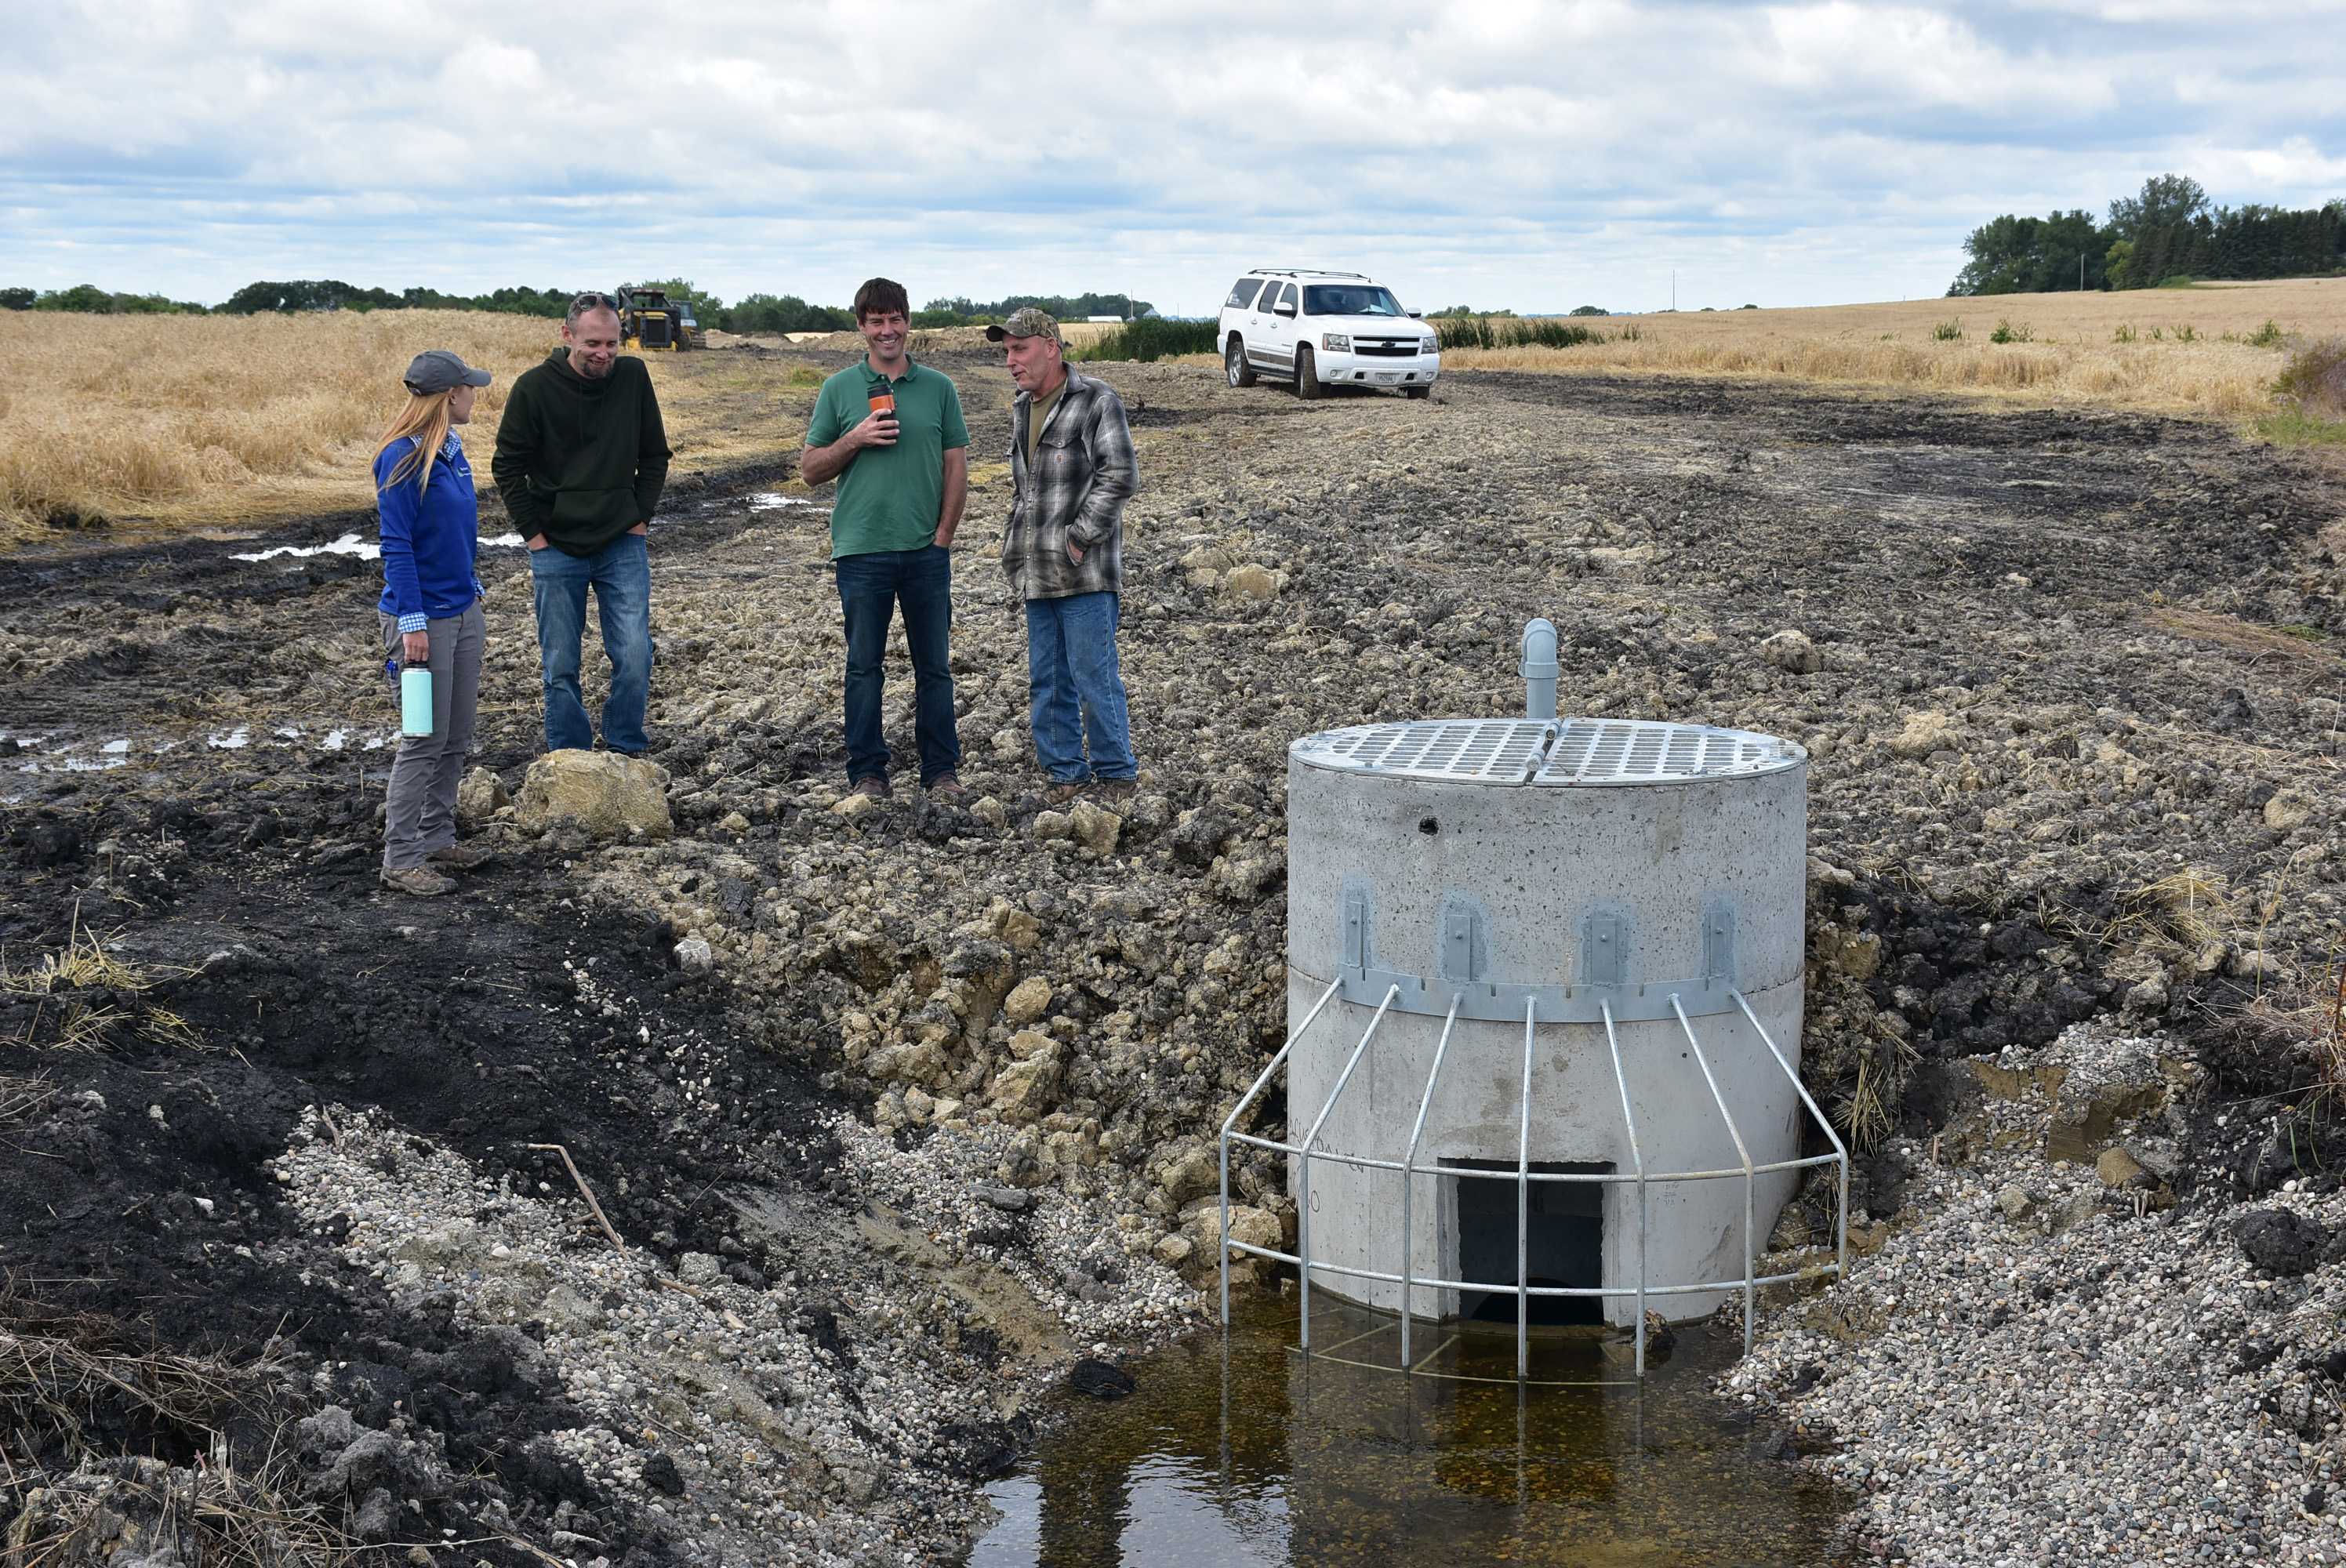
(430,614)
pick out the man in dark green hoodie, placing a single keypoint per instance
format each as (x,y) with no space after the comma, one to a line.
(581,457)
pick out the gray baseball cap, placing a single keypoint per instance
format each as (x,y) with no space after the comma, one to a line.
(437,369)
(1027,321)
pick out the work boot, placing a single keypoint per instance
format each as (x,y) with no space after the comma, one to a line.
(1060,794)
(461,856)
(875,785)
(1114,791)
(949,790)
(422,881)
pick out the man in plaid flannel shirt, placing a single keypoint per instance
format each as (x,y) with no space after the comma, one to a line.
(1072,469)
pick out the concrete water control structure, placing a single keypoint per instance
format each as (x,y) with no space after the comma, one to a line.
(1549,975)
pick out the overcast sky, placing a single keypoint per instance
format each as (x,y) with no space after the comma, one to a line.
(1495,153)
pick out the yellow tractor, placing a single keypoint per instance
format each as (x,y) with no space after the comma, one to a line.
(648,318)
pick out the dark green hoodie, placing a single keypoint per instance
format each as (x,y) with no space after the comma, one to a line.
(580,461)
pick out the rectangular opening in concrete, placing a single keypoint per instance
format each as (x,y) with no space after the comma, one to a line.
(1563,1240)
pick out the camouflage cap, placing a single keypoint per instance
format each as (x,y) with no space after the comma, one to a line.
(1027,321)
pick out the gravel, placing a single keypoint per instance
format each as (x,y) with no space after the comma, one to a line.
(2086,1375)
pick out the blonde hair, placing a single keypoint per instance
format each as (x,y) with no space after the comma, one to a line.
(426,418)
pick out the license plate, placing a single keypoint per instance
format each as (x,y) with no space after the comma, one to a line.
(1388,377)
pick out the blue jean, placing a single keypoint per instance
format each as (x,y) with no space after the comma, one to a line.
(621,576)
(1074,692)
(871,588)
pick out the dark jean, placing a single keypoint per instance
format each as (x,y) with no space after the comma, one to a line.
(871,588)
(1074,692)
(621,576)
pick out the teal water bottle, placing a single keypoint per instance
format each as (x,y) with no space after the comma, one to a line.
(414,699)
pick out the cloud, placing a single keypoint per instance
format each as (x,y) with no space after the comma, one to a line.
(1505,152)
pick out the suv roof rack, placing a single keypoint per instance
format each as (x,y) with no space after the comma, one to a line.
(1307,273)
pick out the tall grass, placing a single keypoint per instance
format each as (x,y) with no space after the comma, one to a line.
(145,414)
(1148,339)
(2312,386)
(1511,332)
(2222,380)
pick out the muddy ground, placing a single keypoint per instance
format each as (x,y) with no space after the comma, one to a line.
(2070,681)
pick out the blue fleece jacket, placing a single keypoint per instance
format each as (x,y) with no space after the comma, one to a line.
(430,540)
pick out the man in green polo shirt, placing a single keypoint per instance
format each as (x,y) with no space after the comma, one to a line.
(891,432)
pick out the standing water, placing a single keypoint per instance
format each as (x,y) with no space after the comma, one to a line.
(1241,1452)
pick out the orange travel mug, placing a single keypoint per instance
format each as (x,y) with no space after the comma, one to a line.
(884,400)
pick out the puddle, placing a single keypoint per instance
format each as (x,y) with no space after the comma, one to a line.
(348,544)
(766,500)
(1239,1453)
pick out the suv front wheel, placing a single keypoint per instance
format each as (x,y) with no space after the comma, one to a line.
(1307,374)
(1235,365)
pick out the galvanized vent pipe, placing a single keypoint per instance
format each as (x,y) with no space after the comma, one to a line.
(1539,670)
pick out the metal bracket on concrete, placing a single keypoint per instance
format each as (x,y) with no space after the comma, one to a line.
(1503,1001)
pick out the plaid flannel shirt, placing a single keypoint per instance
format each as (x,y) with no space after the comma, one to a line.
(1074,492)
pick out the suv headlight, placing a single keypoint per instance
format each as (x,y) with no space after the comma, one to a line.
(1430,346)
(1336,343)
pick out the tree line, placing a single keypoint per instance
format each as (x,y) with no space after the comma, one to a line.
(2168,232)
(758,312)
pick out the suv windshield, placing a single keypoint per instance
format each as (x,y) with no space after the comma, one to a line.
(1349,300)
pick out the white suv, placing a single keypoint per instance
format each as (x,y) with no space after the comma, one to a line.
(1320,329)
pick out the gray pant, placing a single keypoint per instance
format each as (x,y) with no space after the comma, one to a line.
(426,773)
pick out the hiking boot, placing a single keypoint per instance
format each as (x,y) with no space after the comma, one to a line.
(461,856)
(875,785)
(422,881)
(1060,794)
(950,789)
(1114,791)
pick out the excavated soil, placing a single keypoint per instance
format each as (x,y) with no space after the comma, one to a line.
(2069,680)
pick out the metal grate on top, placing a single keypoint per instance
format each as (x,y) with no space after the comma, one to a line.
(1570,751)
(1643,751)
(1472,751)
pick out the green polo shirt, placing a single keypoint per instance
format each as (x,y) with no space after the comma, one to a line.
(890,497)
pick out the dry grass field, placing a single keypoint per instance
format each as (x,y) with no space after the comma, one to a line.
(2178,351)
(211,421)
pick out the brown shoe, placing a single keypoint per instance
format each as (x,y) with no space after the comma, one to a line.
(1114,791)
(422,881)
(951,790)
(875,785)
(461,856)
(1060,794)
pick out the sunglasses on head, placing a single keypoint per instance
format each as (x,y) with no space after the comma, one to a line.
(595,303)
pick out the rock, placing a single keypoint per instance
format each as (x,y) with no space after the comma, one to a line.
(1009,1199)
(990,811)
(1926,733)
(1254,582)
(659,1474)
(699,1268)
(1008,745)
(1792,651)
(1027,1001)
(695,956)
(850,807)
(2072,1212)
(2255,965)
(2150,996)
(1207,558)
(1244,878)
(2116,1167)
(1184,1170)
(1200,834)
(370,1459)
(2280,1240)
(608,795)
(2290,809)
(1094,828)
(377,1517)
(1150,813)
(1051,825)
(480,796)
(330,1431)
(733,822)
(1025,1089)
(565,1307)
(2014,1200)
(1100,1379)
(1172,1249)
